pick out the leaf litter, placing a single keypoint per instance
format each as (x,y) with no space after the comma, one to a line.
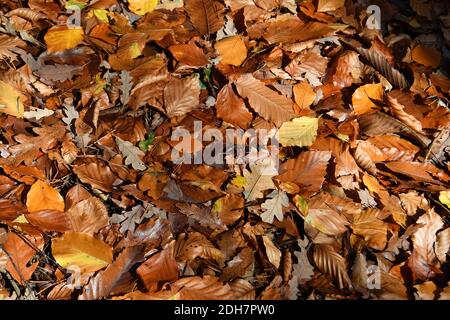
(94,206)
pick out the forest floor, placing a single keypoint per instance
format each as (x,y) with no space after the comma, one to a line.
(224,149)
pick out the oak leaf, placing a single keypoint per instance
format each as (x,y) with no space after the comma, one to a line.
(259,179)
(273,206)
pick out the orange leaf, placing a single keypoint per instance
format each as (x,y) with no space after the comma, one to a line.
(42,196)
(232,50)
(426,56)
(304,95)
(363,96)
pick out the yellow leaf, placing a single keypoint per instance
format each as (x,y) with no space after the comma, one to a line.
(10,101)
(42,196)
(62,38)
(101,14)
(142,7)
(239,181)
(79,250)
(304,95)
(232,50)
(299,132)
(444,197)
(363,96)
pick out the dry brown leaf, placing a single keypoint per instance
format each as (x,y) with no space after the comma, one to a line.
(103,284)
(20,253)
(96,173)
(423,259)
(332,264)
(181,96)
(206,15)
(270,105)
(426,56)
(307,170)
(304,95)
(231,108)
(88,216)
(374,230)
(189,54)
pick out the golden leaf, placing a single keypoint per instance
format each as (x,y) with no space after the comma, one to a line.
(75,249)
(142,7)
(63,38)
(10,101)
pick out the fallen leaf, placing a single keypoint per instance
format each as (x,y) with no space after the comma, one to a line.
(10,100)
(298,132)
(426,56)
(231,108)
(273,253)
(267,103)
(181,96)
(259,179)
(62,38)
(131,153)
(206,15)
(81,251)
(141,7)
(304,95)
(42,196)
(363,96)
(273,206)
(232,50)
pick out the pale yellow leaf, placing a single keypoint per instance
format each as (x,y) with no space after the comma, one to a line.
(299,132)
(273,253)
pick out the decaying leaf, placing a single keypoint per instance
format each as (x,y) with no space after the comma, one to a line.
(131,153)
(259,179)
(273,206)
